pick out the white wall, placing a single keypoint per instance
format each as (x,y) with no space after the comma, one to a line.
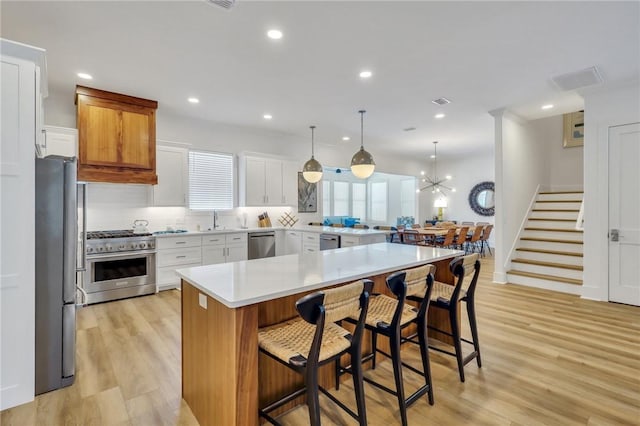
(603,109)
(522,167)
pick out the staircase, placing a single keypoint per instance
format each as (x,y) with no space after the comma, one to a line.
(549,252)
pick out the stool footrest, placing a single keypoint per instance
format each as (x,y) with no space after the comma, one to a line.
(338,403)
(470,357)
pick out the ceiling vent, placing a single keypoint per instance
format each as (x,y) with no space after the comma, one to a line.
(578,79)
(227,4)
(441,101)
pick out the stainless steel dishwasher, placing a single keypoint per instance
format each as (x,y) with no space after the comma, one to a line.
(262,244)
(329,241)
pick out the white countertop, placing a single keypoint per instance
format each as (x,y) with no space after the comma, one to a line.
(251,281)
(304,228)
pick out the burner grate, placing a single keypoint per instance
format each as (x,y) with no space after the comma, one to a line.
(121,233)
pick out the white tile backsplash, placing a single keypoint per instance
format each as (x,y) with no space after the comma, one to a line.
(116,206)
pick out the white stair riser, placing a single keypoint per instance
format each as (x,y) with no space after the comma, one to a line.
(546,284)
(556,235)
(546,257)
(555,215)
(554,197)
(551,224)
(559,206)
(551,246)
(547,270)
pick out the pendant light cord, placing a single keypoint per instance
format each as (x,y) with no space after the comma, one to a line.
(362,128)
(312,150)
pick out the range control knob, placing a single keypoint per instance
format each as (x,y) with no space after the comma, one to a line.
(89,249)
(122,247)
(100,248)
(134,246)
(143,245)
(109,247)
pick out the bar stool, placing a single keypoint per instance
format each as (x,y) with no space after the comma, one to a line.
(447,297)
(304,345)
(389,316)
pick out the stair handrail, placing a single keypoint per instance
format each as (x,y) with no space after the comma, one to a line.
(523,224)
(580,219)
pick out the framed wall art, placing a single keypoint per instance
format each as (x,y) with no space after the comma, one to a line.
(573,129)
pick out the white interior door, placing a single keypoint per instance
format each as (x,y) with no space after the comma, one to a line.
(624,214)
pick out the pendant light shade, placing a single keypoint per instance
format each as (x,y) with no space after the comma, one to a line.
(312,169)
(362,164)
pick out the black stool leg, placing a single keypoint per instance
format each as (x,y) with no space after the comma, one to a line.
(424,352)
(374,348)
(394,342)
(356,367)
(471,312)
(455,331)
(311,376)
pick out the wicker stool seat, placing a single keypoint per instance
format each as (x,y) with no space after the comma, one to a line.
(447,297)
(291,342)
(382,308)
(389,316)
(305,344)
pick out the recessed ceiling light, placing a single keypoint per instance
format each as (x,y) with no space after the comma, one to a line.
(267,116)
(194,100)
(365,74)
(85,76)
(422,172)
(417,191)
(441,101)
(440,115)
(548,106)
(346,138)
(274,34)
(432,156)
(448,177)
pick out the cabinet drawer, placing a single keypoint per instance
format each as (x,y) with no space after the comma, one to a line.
(349,241)
(310,237)
(167,275)
(214,240)
(179,256)
(310,248)
(174,242)
(238,238)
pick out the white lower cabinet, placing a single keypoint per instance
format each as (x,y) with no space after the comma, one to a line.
(349,241)
(176,253)
(221,248)
(292,242)
(310,242)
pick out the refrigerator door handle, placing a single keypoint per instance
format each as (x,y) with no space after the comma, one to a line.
(83,268)
(68,339)
(70,231)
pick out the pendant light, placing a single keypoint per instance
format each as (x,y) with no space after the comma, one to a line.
(362,164)
(312,170)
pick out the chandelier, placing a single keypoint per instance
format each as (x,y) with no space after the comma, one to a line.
(435,184)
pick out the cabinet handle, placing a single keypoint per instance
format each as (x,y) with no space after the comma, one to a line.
(180,257)
(44,133)
(236,238)
(181,242)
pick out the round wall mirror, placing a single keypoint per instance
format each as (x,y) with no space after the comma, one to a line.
(482,199)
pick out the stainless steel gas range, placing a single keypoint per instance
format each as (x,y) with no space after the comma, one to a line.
(120,264)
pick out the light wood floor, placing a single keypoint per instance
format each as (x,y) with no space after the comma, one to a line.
(548,358)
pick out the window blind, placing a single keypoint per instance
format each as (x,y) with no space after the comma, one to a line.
(359,201)
(379,201)
(210,180)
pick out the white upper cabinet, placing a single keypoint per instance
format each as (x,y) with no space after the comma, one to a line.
(265,181)
(60,141)
(172,165)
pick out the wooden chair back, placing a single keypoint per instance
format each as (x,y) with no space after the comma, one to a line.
(462,235)
(448,239)
(411,236)
(477,233)
(416,226)
(486,231)
(467,223)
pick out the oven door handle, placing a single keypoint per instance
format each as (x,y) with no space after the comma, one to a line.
(130,255)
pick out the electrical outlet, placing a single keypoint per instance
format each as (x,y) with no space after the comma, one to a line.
(202,300)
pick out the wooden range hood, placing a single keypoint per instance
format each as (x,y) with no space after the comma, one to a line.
(116,137)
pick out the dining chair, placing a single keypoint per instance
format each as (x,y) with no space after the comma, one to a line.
(412,236)
(473,239)
(360,226)
(484,239)
(447,240)
(314,340)
(467,223)
(461,238)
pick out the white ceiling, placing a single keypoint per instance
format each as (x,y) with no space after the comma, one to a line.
(481,55)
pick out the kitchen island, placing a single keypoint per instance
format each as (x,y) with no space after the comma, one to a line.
(224,378)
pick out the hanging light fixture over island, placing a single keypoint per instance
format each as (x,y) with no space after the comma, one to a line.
(312,169)
(362,164)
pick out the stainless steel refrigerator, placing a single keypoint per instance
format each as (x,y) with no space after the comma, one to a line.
(56,251)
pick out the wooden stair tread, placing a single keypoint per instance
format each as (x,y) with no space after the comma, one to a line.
(550,240)
(554,229)
(558,201)
(545,277)
(563,253)
(550,264)
(551,220)
(555,210)
(561,192)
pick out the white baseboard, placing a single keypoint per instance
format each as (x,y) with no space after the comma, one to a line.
(499,277)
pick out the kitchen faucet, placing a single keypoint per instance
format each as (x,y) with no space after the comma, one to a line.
(215,220)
